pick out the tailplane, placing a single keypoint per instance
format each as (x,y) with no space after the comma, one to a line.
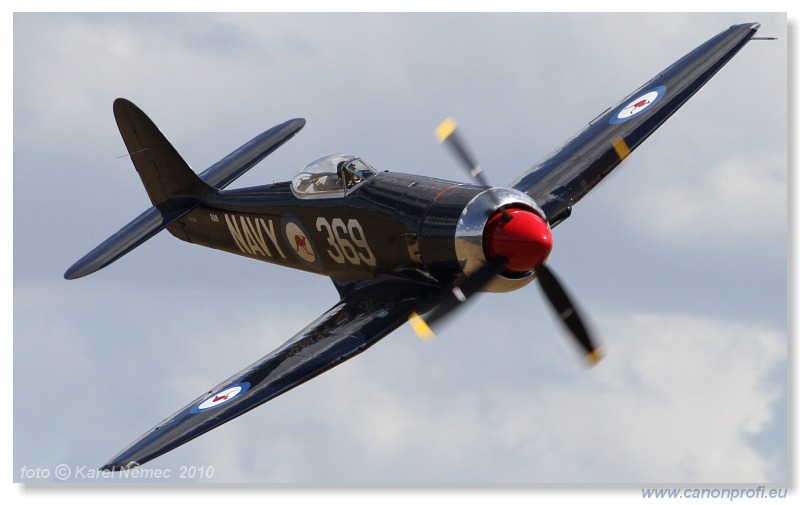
(127,239)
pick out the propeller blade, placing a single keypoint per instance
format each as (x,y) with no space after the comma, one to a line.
(565,309)
(456,298)
(447,134)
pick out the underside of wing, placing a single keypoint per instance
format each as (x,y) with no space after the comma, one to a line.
(364,316)
(572,170)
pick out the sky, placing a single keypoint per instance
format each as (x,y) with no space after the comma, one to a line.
(678,259)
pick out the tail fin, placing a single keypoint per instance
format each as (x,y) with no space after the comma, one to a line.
(171,184)
(165,175)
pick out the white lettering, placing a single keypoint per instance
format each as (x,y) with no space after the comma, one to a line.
(271,234)
(236,234)
(249,235)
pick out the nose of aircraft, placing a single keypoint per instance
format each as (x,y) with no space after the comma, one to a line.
(520,236)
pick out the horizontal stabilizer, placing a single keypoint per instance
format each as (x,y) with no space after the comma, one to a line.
(128,238)
(232,166)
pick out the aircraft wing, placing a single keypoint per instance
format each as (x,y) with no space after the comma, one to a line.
(364,316)
(571,171)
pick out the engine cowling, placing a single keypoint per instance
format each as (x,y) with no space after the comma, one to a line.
(503,222)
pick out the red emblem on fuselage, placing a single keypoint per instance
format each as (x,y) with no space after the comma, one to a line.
(300,241)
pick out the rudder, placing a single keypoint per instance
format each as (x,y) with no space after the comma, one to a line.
(167,178)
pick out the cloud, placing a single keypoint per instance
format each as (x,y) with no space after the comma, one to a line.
(747,195)
(702,389)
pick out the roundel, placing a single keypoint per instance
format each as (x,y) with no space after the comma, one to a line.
(221,397)
(641,103)
(299,242)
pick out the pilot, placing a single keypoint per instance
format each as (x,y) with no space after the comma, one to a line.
(347,174)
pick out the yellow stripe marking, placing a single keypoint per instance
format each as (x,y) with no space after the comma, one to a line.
(445,129)
(621,147)
(421,328)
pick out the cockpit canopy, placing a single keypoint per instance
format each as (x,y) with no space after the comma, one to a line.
(331,177)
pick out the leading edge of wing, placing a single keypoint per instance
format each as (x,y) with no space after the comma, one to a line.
(358,321)
(572,170)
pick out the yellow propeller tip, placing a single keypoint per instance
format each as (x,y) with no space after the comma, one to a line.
(420,327)
(595,356)
(445,129)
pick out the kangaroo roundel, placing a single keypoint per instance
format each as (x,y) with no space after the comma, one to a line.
(638,105)
(223,396)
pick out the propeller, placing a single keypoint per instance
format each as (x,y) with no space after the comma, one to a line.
(516,241)
(456,297)
(565,309)
(447,135)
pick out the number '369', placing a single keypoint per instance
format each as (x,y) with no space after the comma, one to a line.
(347,241)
